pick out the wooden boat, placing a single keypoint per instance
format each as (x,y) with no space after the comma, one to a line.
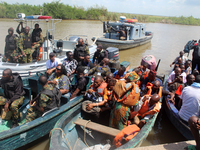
(28,132)
(172,114)
(136,35)
(72,125)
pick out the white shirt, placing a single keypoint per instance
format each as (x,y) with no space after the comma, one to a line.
(184,59)
(50,64)
(190,102)
(172,77)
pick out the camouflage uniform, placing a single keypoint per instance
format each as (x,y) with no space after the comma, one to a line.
(104,71)
(14,106)
(27,51)
(43,101)
(8,54)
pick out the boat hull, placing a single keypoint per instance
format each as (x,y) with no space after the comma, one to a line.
(28,132)
(172,114)
(123,44)
(72,132)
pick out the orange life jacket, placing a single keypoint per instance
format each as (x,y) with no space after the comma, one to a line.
(144,74)
(150,90)
(145,109)
(100,89)
(131,94)
(40,54)
(130,131)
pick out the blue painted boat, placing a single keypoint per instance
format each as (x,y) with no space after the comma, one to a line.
(136,35)
(172,114)
(28,132)
(75,133)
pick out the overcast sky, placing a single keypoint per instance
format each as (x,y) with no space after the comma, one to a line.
(151,7)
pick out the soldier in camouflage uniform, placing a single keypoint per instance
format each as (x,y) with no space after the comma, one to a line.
(13,94)
(81,50)
(10,46)
(43,101)
(102,69)
(37,40)
(25,45)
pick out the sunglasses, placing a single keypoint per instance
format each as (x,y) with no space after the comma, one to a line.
(58,69)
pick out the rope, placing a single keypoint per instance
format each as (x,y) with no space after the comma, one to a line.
(85,132)
(63,134)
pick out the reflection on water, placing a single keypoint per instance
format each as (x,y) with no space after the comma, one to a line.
(168,40)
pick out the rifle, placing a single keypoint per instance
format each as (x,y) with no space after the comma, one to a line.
(157,65)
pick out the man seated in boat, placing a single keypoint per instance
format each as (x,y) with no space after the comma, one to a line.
(37,40)
(174,80)
(70,64)
(81,83)
(13,94)
(190,97)
(86,63)
(125,94)
(46,100)
(147,107)
(106,102)
(52,63)
(190,80)
(25,45)
(102,69)
(144,71)
(184,58)
(108,78)
(100,54)
(155,88)
(188,67)
(122,32)
(81,50)
(94,95)
(59,79)
(10,46)
(119,74)
(150,79)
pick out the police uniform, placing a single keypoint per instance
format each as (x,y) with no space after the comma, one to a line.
(43,101)
(80,50)
(13,91)
(10,47)
(25,45)
(100,70)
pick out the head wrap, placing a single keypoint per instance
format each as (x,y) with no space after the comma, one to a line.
(133,76)
(153,72)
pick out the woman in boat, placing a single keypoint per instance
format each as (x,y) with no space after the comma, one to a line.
(123,100)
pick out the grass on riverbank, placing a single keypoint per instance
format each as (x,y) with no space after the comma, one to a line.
(63,11)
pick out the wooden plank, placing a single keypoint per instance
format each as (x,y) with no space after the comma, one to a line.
(97,127)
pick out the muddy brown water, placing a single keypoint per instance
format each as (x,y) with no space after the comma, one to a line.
(168,40)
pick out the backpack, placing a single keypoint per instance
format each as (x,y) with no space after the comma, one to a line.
(189,46)
(55,95)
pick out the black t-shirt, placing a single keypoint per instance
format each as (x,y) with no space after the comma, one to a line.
(81,85)
(87,66)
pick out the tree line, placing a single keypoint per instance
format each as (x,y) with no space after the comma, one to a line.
(60,10)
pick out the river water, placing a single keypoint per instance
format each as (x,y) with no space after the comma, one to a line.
(168,40)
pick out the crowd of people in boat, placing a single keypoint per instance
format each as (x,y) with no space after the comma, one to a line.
(128,97)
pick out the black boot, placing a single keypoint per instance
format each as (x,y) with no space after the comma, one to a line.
(15,124)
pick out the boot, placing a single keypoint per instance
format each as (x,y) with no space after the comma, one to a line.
(15,124)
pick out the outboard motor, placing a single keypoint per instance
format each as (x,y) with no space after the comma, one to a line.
(113,56)
(113,53)
(59,45)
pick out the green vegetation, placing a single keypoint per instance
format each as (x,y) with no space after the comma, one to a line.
(63,11)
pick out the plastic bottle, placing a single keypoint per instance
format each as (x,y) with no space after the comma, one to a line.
(25,109)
